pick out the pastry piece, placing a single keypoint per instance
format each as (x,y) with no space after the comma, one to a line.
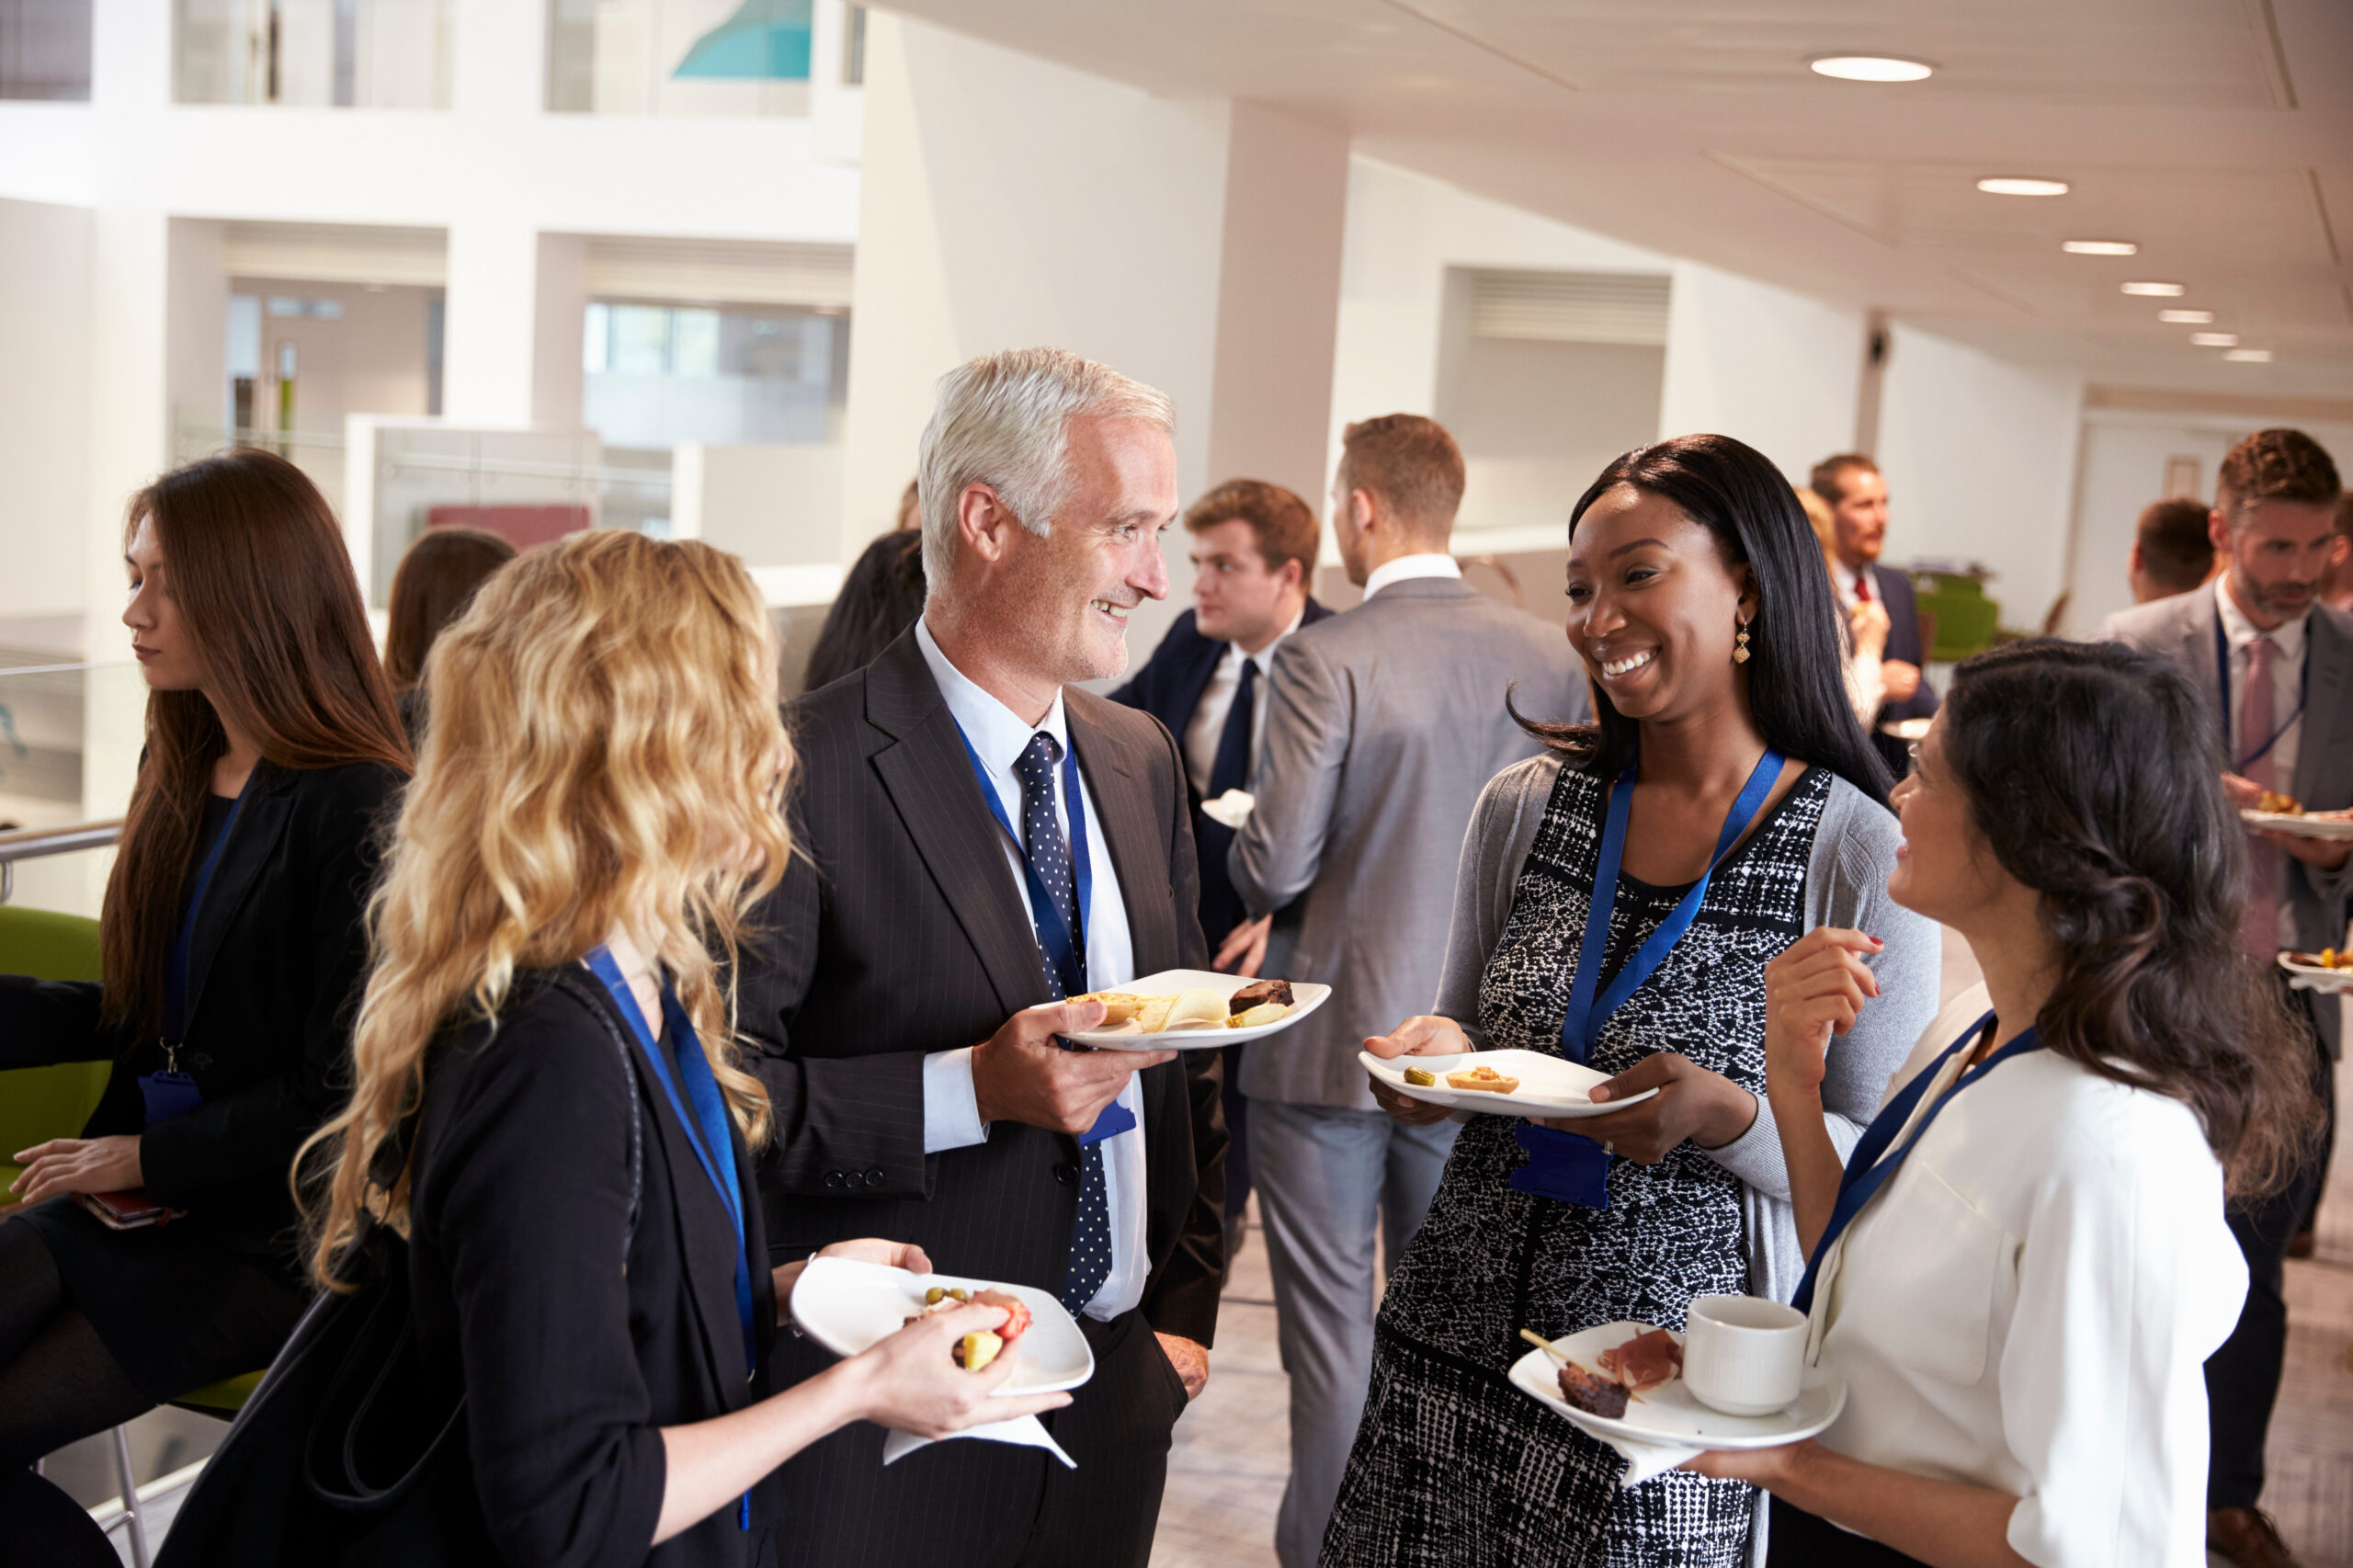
(2278,804)
(977,1350)
(1199,1009)
(1594,1396)
(1421,1077)
(1118,1006)
(1263,1013)
(1258,994)
(1482,1077)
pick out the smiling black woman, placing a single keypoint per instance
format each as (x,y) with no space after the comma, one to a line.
(1618,899)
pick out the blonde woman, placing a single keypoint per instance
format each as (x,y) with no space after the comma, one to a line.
(596,808)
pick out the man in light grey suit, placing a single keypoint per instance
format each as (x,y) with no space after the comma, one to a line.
(1384,723)
(2278,666)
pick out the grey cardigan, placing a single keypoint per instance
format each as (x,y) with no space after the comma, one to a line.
(1854,850)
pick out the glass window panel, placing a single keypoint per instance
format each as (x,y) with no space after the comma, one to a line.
(640,340)
(694,344)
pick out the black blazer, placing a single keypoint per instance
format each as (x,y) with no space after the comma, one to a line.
(275,969)
(902,933)
(1895,590)
(573,1358)
(1169,688)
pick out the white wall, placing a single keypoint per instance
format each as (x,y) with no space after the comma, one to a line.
(1775,369)
(44,406)
(1980,459)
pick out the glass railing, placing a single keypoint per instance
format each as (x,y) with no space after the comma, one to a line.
(70,735)
(312,53)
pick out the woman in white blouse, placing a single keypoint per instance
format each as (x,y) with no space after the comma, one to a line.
(2023,1269)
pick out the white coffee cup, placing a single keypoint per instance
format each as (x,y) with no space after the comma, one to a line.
(1743,1355)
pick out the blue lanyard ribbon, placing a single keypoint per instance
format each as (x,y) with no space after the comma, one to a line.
(1570,1167)
(1866,1173)
(1064,949)
(706,1123)
(2222,669)
(176,970)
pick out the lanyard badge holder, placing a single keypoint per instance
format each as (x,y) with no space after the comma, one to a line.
(1064,949)
(1570,1167)
(171,1091)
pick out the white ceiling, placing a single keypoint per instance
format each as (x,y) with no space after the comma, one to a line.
(2218,134)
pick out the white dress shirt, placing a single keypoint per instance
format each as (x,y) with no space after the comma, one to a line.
(2029,1304)
(1207,725)
(952,1115)
(2286,696)
(1848,581)
(1436,563)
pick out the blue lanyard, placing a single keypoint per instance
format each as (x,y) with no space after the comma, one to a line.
(175,972)
(2223,669)
(1065,949)
(710,1116)
(1866,1173)
(1582,1025)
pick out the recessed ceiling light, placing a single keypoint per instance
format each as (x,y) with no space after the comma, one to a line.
(1870,68)
(2100,248)
(2187,318)
(2158,290)
(2007,187)
(2250,356)
(2215,339)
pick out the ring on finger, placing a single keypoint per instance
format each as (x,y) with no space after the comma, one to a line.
(1609,1146)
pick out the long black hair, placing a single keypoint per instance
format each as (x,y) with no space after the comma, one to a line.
(2090,771)
(1796,685)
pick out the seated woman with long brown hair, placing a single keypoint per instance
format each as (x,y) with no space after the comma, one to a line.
(596,807)
(233,950)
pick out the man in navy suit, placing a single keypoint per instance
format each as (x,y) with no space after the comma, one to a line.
(1850,484)
(1253,547)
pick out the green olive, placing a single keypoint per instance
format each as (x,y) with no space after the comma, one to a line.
(1420,1078)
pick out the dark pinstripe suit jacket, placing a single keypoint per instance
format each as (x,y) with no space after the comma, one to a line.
(902,933)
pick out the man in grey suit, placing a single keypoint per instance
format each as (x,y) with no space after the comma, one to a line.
(2278,664)
(1384,724)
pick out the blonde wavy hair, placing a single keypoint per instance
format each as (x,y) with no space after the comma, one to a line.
(603,752)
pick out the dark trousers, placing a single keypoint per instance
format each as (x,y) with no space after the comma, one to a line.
(1795,1538)
(984,1504)
(1237,1127)
(2242,1377)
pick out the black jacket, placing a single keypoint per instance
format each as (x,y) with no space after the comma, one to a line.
(572,1358)
(275,969)
(1169,688)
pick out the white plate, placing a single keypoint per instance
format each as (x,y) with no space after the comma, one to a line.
(847,1307)
(2302,825)
(1670,1413)
(1906,729)
(1305,999)
(2312,977)
(1549,1085)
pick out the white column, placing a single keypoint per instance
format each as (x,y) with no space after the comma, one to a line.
(559,310)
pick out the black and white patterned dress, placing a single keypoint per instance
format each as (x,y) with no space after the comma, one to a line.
(1452,1466)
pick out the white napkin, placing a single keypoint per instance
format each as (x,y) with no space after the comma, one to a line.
(1024,1429)
(1231,809)
(1644,1461)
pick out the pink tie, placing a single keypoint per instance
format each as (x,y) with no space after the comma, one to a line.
(2260,930)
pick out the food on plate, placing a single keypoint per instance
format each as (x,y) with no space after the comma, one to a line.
(1258,994)
(1197,1009)
(2327,958)
(1421,1077)
(1646,1361)
(1263,1013)
(1482,1077)
(977,1350)
(1594,1396)
(1154,1017)
(1118,1006)
(2278,804)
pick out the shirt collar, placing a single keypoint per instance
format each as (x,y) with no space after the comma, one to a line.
(1434,563)
(1264,657)
(2238,631)
(997,732)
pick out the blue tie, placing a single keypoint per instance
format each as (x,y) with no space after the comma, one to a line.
(1041,831)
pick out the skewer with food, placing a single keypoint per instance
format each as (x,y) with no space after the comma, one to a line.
(1650,1359)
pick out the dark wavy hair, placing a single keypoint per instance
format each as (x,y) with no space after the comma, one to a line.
(1796,685)
(2090,770)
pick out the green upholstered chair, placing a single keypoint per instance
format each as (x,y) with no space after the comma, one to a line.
(41,1103)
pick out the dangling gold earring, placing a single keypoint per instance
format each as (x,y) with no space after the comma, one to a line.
(1740,645)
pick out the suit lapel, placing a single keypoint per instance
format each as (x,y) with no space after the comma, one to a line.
(1195,681)
(2196,656)
(1117,782)
(928,776)
(252,842)
(703,1230)
(2316,766)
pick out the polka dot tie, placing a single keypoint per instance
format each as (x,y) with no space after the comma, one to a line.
(1090,1243)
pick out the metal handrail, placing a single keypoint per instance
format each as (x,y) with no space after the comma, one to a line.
(31,843)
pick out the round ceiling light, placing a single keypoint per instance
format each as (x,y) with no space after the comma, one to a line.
(1870,68)
(2215,339)
(2250,356)
(2011,186)
(2099,247)
(2186,318)
(2158,290)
